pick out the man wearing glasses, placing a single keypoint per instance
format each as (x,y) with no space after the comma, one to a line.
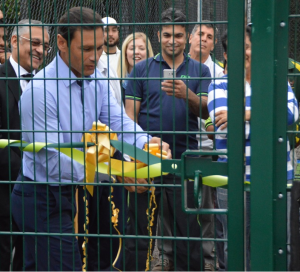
(30,45)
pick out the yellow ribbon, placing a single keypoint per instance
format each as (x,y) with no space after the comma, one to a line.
(85,227)
(116,167)
(296,65)
(115,220)
(150,225)
(155,150)
(98,153)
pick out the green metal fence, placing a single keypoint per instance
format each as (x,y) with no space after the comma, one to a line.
(114,229)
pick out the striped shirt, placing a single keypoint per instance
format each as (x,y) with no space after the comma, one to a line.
(217,101)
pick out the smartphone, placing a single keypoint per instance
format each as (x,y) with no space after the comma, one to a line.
(169,73)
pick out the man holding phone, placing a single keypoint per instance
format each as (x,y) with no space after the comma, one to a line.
(167,105)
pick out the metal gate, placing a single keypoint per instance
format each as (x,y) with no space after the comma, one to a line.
(270,39)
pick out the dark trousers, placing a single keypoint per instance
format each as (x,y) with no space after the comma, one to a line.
(206,221)
(8,243)
(187,254)
(102,251)
(49,210)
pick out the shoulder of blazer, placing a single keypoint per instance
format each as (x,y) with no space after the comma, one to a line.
(6,70)
(13,85)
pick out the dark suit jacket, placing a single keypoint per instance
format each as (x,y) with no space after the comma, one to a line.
(10,158)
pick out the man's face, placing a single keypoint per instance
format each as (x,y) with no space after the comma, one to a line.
(3,41)
(202,41)
(85,51)
(1,14)
(29,56)
(247,53)
(172,39)
(111,36)
(4,52)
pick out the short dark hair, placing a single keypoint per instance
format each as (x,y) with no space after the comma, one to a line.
(1,22)
(173,15)
(78,15)
(224,41)
(248,32)
(224,38)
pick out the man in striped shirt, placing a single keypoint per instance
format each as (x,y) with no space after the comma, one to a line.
(217,107)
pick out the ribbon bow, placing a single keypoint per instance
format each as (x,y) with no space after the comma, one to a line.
(100,152)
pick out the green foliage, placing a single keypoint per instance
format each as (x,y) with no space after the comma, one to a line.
(11,10)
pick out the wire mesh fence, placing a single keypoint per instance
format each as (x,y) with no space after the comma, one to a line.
(294,31)
(127,12)
(116,229)
(139,11)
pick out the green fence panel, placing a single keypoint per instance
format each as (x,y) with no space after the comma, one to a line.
(109,222)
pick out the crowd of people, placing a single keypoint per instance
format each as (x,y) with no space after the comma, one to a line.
(90,79)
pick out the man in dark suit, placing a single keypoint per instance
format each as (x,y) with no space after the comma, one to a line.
(30,44)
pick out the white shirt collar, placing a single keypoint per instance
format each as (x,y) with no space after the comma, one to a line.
(18,68)
(117,52)
(208,61)
(102,66)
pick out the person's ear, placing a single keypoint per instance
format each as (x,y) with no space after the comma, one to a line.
(158,36)
(62,43)
(215,42)
(14,42)
(190,38)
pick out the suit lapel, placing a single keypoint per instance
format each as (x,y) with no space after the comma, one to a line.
(13,85)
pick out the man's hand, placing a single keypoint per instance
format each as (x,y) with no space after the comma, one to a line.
(3,55)
(179,90)
(221,119)
(175,87)
(247,115)
(163,145)
(138,189)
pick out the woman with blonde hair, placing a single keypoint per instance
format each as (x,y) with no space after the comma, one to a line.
(136,47)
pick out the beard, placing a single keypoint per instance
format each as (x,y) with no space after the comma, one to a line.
(116,43)
(173,54)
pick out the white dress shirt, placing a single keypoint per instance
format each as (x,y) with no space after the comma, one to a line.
(114,84)
(112,59)
(65,110)
(20,71)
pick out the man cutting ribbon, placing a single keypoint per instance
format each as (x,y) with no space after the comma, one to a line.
(55,109)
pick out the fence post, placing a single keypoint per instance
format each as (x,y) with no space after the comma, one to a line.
(236,132)
(268,134)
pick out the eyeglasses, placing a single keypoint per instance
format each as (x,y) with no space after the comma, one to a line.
(37,43)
